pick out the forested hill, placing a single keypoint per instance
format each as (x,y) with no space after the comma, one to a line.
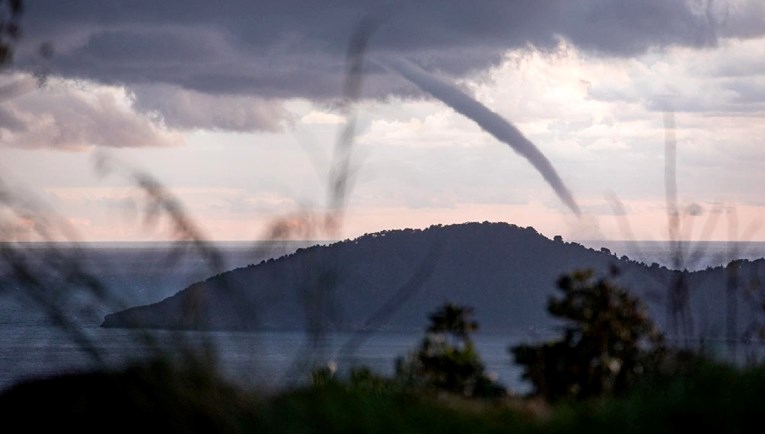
(390,280)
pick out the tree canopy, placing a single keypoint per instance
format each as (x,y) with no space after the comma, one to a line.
(447,359)
(608,341)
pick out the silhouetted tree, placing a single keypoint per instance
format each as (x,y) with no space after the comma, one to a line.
(608,341)
(447,358)
(453,320)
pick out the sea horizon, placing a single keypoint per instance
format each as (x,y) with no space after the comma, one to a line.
(704,253)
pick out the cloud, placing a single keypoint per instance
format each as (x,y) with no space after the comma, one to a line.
(322,118)
(575,105)
(441,128)
(197,64)
(604,144)
(72,115)
(266,203)
(185,109)
(16,86)
(296,48)
(729,78)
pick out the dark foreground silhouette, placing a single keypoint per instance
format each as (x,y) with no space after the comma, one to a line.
(171,399)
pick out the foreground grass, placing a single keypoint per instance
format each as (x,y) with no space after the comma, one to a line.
(708,398)
(164,398)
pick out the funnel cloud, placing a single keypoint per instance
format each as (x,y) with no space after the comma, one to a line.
(489,121)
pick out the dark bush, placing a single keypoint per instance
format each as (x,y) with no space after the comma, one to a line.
(608,342)
(447,359)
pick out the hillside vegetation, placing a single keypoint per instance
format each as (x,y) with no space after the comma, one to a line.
(390,280)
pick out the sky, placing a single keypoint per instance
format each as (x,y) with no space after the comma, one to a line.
(237,108)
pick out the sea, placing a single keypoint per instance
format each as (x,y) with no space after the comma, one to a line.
(56,329)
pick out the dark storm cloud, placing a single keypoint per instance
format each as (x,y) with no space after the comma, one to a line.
(290,48)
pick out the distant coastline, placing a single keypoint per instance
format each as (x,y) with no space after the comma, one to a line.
(504,271)
(710,253)
(715,253)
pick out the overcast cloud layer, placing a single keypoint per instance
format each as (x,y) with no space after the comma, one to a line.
(295,48)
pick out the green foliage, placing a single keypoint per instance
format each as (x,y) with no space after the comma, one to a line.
(334,409)
(701,397)
(453,320)
(359,378)
(447,359)
(608,342)
(363,378)
(323,375)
